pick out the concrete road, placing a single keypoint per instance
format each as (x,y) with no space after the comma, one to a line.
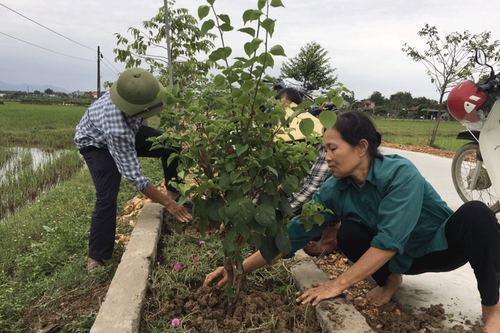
(455,290)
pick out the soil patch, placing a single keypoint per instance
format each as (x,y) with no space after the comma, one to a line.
(204,309)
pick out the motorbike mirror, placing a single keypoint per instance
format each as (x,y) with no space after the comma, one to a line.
(481,60)
(480,57)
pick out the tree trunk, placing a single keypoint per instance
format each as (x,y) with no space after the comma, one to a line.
(438,118)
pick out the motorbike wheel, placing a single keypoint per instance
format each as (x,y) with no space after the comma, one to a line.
(462,169)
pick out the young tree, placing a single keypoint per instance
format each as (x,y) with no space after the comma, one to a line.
(187,41)
(311,67)
(241,170)
(450,59)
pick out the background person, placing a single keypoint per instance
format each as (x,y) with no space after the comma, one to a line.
(110,137)
(393,223)
(319,173)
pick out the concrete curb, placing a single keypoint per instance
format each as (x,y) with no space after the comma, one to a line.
(122,309)
(334,315)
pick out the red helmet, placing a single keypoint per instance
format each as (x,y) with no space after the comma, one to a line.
(464,100)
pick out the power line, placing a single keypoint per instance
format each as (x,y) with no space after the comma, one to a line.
(1,4)
(105,59)
(44,47)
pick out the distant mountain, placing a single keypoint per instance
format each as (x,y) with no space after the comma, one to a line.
(32,88)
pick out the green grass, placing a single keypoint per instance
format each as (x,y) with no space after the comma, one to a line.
(419,133)
(44,126)
(43,249)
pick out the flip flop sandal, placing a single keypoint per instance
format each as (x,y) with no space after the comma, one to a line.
(91,268)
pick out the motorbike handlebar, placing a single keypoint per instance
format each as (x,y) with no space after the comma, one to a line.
(487,86)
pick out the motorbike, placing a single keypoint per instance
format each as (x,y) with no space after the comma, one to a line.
(476,165)
(280,83)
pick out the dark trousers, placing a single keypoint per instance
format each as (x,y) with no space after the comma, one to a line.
(473,235)
(106,178)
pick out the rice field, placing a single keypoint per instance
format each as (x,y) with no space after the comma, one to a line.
(36,151)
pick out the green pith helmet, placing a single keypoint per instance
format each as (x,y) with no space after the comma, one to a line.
(136,93)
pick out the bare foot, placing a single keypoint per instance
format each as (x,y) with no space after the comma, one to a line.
(382,295)
(491,317)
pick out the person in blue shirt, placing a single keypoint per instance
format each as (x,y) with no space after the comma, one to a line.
(393,223)
(110,137)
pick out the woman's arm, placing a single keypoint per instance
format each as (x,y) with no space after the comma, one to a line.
(368,264)
(250,264)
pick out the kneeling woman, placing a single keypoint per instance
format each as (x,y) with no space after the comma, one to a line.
(393,223)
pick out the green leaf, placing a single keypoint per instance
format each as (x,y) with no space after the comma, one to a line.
(306,126)
(225,18)
(247,86)
(268,249)
(203,11)
(226,27)
(230,165)
(247,15)
(212,208)
(266,153)
(268,24)
(265,215)
(277,50)
(283,241)
(235,174)
(271,169)
(206,26)
(255,15)
(249,31)
(261,4)
(171,158)
(338,101)
(276,3)
(219,80)
(319,219)
(285,206)
(175,89)
(229,292)
(216,55)
(240,149)
(327,119)
(241,211)
(211,1)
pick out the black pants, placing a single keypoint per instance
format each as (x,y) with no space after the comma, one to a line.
(107,178)
(473,235)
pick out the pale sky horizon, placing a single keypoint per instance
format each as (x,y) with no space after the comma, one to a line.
(363,38)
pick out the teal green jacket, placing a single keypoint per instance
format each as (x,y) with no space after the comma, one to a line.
(396,202)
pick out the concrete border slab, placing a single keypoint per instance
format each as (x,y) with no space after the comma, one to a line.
(122,309)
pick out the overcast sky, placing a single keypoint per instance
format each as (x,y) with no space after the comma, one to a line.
(363,37)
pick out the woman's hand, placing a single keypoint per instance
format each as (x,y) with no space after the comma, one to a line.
(218,276)
(319,292)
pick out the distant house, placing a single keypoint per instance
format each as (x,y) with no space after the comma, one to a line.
(368,104)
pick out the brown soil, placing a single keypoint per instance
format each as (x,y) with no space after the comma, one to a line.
(205,312)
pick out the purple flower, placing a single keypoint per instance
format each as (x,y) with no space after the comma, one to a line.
(202,242)
(196,258)
(177,267)
(175,322)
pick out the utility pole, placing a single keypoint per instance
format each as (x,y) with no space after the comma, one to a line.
(98,71)
(169,52)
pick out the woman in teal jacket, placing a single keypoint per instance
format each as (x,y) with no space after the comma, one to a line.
(393,223)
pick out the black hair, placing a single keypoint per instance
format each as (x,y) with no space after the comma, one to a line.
(292,94)
(355,126)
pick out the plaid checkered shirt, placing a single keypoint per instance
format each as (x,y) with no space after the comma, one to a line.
(105,126)
(308,186)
